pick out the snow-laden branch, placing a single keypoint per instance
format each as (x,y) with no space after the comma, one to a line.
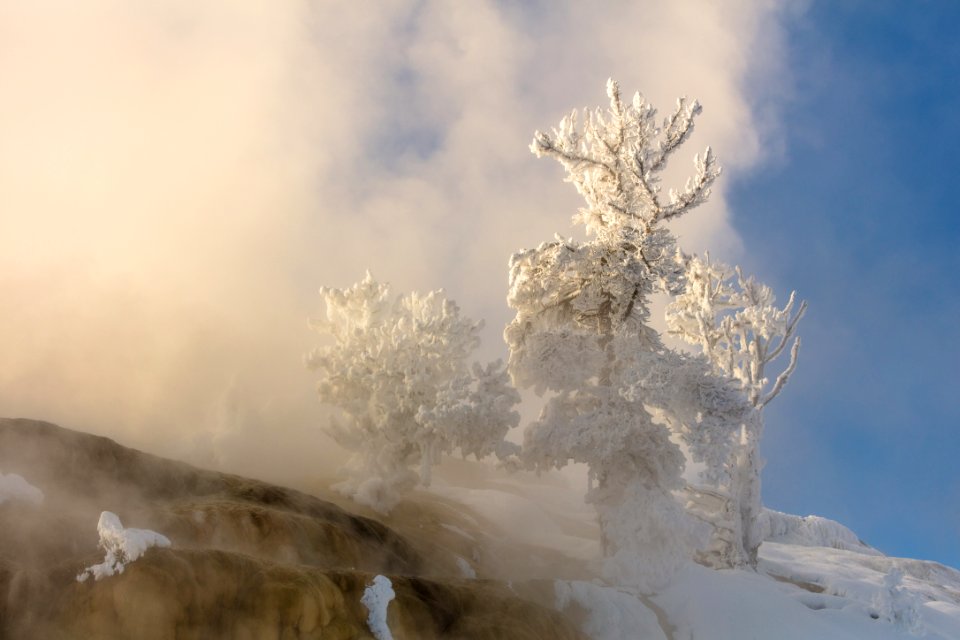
(783,377)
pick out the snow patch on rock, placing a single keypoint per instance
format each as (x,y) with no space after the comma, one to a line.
(122,546)
(376,598)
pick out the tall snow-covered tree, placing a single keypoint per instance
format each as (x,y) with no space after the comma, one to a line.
(581,327)
(398,370)
(739,328)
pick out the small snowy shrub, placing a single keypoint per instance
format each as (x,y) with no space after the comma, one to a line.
(376,598)
(897,605)
(398,370)
(122,546)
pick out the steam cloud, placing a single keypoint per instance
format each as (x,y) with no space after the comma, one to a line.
(177,180)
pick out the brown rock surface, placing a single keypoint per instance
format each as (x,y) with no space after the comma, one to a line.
(249,560)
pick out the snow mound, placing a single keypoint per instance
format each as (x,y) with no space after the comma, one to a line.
(122,546)
(810,531)
(15,487)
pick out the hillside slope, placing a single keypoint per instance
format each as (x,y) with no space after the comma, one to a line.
(248,559)
(482,555)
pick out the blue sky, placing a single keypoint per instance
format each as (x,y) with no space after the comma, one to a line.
(860,216)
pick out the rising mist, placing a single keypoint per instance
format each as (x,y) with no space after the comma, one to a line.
(176,182)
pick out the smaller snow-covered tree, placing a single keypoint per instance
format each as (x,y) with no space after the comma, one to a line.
(398,370)
(740,330)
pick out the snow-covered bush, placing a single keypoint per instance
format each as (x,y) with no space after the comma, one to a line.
(398,370)
(376,598)
(14,487)
(896,605)
(121,546)
(581,327)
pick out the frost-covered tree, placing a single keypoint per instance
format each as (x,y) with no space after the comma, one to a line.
(581,328)
(739,328)
(398,370)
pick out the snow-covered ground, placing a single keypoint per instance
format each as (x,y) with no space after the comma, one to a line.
(813,592)
(816,579)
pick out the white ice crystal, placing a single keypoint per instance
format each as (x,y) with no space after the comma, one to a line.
(122,546)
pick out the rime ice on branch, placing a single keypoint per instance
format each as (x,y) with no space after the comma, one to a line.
(398,370)
(615,161)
